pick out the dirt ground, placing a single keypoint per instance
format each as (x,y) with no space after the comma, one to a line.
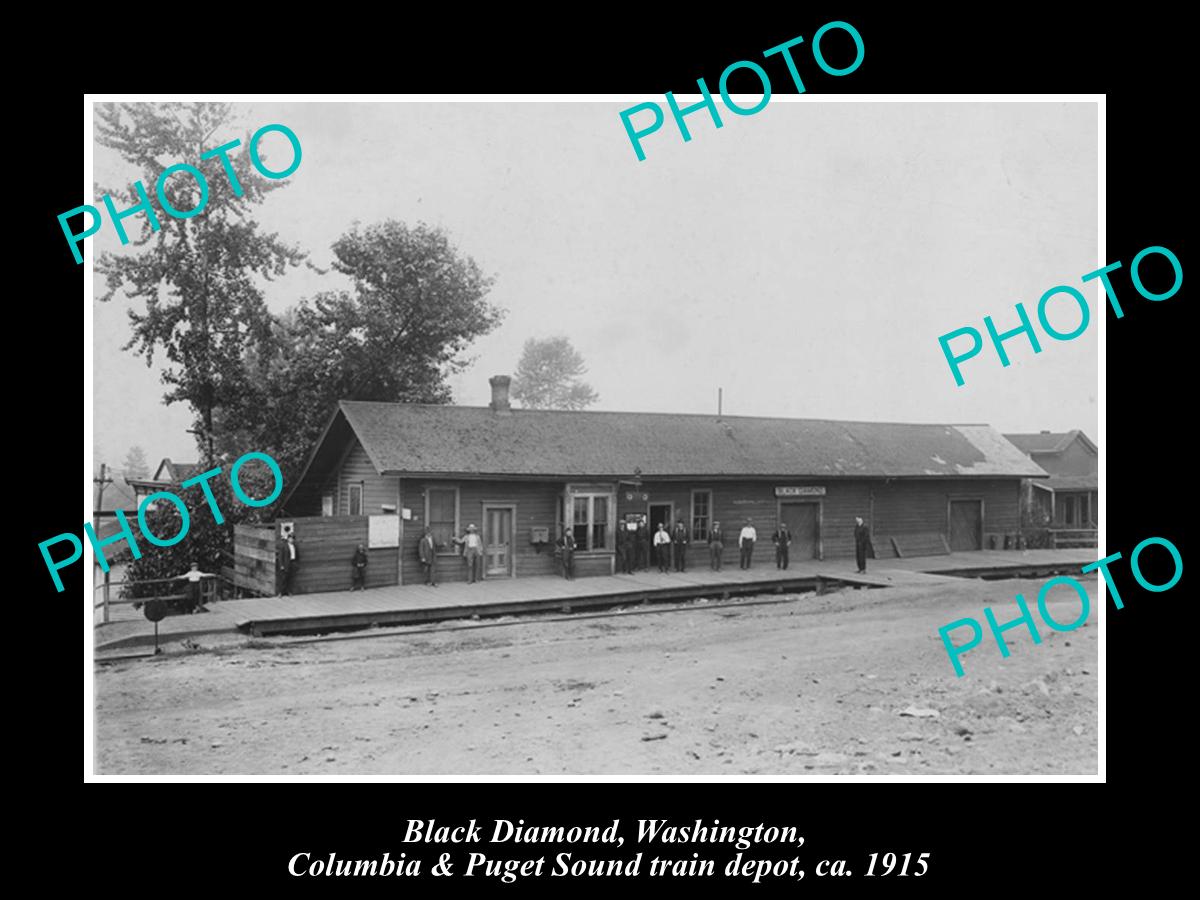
(815,686)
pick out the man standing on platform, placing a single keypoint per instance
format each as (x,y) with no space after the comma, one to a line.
(358,577)
(288,560)
(662,548)
(641,540)
(567,545)
(782,538)
(715,546)
(679,541)
(427,551)
(746,543)
(862,544)
(472,546)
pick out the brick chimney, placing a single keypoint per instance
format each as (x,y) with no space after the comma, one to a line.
(500,385)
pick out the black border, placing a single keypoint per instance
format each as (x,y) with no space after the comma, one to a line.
(984,835)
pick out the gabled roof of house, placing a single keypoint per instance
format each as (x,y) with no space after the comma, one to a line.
(1060,483)
(417,439)
(1049,441)
(174,472)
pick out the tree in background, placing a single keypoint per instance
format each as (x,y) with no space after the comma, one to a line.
(415,306)
(199,278)
(135,465)
(548,376)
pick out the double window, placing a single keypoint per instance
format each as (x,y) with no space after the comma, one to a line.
(590,521)
(701,514)
(442,516)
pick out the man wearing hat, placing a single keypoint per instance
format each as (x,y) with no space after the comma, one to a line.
(782,539)
(288,560)
(716,546)
(642,544)
(679,542)
(472,546)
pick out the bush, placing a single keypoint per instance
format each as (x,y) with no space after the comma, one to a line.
(1037,538)
(205,542)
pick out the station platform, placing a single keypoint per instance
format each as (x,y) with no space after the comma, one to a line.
(418,604)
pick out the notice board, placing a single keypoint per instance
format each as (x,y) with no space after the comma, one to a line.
(383,531)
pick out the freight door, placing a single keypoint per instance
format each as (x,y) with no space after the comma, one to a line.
(803,521)
(966,525)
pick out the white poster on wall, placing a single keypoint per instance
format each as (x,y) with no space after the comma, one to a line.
(383,531)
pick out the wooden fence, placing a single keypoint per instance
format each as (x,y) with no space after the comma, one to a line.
(111,593)
(253,567)
(325,548)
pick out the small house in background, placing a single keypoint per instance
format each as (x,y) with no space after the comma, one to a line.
(167,476)
(387,471)
(126,494)
(1068,499)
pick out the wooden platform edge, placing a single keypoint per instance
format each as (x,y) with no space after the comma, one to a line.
(421,615)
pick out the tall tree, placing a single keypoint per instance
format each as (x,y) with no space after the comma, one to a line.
(199,277)
(135,465)
(548,376)
(415,306)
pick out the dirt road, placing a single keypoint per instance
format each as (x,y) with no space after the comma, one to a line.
(814,686)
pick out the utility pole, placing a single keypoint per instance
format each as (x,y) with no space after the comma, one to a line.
(102,481)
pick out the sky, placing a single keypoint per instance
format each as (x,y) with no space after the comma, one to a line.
(804,260)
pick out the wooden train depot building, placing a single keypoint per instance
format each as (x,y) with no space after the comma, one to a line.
(382,472)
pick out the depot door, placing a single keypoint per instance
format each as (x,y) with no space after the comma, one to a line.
(966,525)
(498,540)
(663,513)
(803,521)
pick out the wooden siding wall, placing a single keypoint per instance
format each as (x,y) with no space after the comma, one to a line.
(896,508)
(900,508)
(915,507)
(326,544)
(378,490)
(536,506)
(254,558)
(734,502)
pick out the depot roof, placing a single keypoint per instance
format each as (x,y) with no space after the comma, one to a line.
(437,440)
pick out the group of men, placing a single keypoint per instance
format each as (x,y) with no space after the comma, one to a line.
(472,554)
(634,547)
(669,548)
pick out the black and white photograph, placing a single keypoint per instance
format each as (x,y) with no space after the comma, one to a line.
(450,437)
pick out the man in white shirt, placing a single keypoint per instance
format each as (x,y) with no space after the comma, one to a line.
(472,546)
(662,548)
(746,543)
